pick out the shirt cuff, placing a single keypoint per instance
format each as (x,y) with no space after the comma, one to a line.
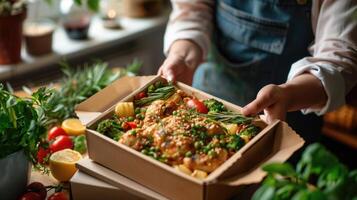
(202,40)
(330,78)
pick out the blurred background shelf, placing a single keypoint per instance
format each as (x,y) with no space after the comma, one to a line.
(139,38)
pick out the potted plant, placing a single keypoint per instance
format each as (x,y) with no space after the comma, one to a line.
(12,15)
(22,128)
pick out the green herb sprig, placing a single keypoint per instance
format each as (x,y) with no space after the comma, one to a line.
(163,92)
(229,117)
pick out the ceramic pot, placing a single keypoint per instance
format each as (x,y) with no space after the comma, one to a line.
(38,37)
(15,171)
(11,38)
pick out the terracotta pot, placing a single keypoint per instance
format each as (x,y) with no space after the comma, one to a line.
(142,8)
(15,171)
(11,38)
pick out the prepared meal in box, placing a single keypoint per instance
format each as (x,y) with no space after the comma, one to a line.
(190,134)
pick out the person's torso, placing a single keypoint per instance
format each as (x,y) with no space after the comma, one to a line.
(269,34)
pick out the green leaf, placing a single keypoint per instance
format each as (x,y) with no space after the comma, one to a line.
(284,169)
(80,144)
(264,193)
(93,5)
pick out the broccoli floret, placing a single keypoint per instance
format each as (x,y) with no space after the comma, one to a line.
(250,131)
(235,142)
(214,105)
(110,128)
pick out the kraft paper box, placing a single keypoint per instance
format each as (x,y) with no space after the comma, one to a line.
(86,187)
(276,142)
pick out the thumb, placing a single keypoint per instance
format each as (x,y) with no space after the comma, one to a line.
(265,98)
(170,75)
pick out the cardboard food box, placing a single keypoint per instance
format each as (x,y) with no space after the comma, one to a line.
(86,187)
(276,142)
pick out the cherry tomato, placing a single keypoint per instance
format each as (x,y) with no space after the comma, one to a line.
(198,105)
(58,196)
(42,154)
(61,142)
(131,125)
(54,132)
(140,95)
(38,188)
(30,196)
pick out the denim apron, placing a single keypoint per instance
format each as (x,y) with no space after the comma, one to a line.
(255,43)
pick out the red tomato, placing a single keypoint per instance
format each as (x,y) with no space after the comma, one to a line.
(61,142)
(30,196)
(42,154)
(131,125)
(198,105)
(140,95)
(38,188)
(54,132)
(58,196)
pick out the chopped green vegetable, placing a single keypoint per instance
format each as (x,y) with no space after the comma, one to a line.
(188,154)
(235,142)
(250,131)
(110,128)
(214,105)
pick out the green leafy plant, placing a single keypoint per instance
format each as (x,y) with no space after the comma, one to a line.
(22,125)
(76,86)
(12,7)
(318,175)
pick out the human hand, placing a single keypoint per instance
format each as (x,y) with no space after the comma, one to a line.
(182,61)
(273,100)
(303,91)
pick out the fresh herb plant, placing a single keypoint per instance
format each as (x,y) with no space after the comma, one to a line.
(318,175)
(22,125)
(76,86)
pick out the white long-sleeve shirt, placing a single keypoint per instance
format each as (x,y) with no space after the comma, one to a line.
(333,57)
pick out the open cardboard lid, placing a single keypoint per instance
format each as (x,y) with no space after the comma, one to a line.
(286,144)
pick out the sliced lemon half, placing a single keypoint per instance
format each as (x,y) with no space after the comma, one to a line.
(63,164)
(73,127)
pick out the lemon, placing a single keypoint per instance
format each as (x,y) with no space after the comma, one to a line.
(73,127)
(124,109)
(63,164)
